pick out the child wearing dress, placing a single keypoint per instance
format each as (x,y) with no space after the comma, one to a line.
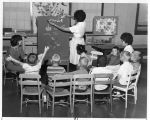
(127,40)
(78,30)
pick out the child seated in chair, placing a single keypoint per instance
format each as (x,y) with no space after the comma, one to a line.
(55,68)
(114,57)
(81,69)
(33,65)
(125,69)
(83,53)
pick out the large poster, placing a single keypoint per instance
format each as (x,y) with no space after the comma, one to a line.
(57,40)
(105,25)
(48,9)
(48,35)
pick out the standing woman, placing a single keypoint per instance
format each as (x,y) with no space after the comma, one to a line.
(16,51)
(78,31)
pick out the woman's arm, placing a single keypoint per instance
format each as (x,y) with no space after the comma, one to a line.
(60,28)
(14,60)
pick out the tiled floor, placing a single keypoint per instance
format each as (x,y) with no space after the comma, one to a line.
(11,104)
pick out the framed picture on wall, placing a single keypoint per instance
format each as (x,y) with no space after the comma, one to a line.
(105,25)
(141,19)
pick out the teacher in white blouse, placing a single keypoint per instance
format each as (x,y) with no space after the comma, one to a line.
(78,31)
(127,40)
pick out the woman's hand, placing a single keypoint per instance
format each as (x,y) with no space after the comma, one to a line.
(51,23)
(46,48)
(9,58)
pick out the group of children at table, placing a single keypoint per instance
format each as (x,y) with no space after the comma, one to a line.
(130,61)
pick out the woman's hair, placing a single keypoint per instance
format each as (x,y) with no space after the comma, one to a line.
(34,61)
(127,38)
(79,15)
(15,40)
(81,49)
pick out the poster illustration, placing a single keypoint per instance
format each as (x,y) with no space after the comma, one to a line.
(105,25)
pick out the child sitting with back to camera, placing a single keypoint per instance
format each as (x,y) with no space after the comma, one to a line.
(83,53)
(33,65)
(82,68)
(125,70)
(55,68)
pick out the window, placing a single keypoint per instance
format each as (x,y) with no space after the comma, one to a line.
(16,15)
(141,19)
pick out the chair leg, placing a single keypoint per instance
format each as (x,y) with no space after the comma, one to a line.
(70,102)
(39,104)
(73,104)
(111,102)
(126,99)
(53,106)
(21,103)
(135,95)
(47,100)
(91,104)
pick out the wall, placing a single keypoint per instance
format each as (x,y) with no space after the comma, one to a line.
(127,14)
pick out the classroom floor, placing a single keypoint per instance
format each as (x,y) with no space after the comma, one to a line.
(11,104)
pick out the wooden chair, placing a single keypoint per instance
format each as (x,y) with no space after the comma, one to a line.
(30,85)
(56,82)
(131,85)
(104,79)
(89,83)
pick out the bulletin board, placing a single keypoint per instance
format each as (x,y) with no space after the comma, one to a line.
(105,25)
(48,35)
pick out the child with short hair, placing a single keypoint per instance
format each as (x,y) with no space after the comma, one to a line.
(83,53)
(127,40)
(33,66)
(55,68)
(114,57)
(125,69)
(82,68)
